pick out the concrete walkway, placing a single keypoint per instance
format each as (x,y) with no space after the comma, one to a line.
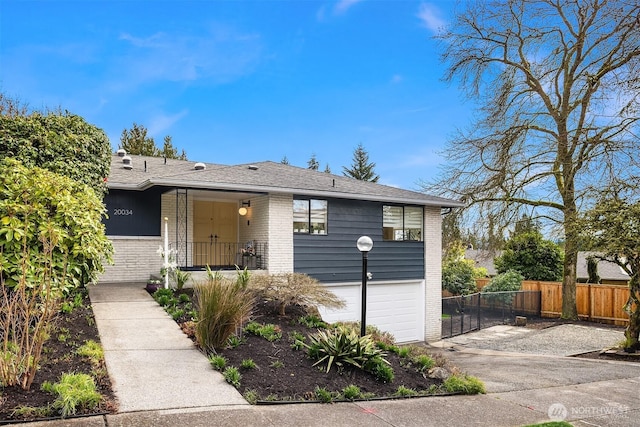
(162,380)
(152,364)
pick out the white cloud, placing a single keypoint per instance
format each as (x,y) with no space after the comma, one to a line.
(218,56)
(160,123)
(431,17)
(343,5)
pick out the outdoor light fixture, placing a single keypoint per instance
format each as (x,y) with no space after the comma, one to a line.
(364,244)
(243,208)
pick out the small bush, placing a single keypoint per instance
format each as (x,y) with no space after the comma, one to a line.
(323,395)
(270,332)
(222,308)
(504,285)
(405,392)
(342,346)
(464,384)
(251,396)
(297,340)
(91,350)
(424,362)
(248,364)
(351,392)
(218,362)
(74,392)
(313,321)
(294,289)
(232,376)
(381,369)
(235,341)
(277,364)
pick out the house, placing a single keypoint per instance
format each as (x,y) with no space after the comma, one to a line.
(277,218)
(609,272)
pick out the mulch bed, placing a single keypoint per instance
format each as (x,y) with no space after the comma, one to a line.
(59,357)
(286,374)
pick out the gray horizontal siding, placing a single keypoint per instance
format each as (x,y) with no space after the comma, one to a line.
(335,258)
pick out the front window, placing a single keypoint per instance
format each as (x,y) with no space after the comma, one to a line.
(402,223)
(310,216)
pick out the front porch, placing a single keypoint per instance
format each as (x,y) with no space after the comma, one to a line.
(196,256)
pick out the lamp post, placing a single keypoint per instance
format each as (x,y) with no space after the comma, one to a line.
(166,253)
(364,244)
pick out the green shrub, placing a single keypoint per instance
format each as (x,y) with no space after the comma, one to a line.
(74,392)
(222,308)
(92,350)
(248,364)
(323,395)
(234,341)
(270,332)
(532,256)
(424,362)
(232,376)
(342,346)
(505,283)
(351,392)
(464,384)
(405,392)
(251,396)
(297,340)
(218,362)
(312,321)
(380,369)
(508,281)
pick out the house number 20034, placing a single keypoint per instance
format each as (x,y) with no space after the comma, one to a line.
(123,211)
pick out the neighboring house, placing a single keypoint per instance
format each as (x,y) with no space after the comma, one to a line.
(278,218)
(609,272)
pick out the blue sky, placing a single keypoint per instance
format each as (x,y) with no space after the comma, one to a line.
(245,81)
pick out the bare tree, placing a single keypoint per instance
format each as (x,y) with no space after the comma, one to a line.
(557,86)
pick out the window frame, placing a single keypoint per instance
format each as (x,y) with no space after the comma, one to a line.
(310,229)
(389,233)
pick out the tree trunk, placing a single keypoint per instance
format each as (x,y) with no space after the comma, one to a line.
(633,306)
(569,308)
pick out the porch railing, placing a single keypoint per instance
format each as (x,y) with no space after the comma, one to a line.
(223,255)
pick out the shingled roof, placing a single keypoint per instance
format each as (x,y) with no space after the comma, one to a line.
(262,177)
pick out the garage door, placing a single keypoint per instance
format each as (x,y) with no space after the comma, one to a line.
(395,307)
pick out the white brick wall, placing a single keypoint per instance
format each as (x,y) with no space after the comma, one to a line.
(280,233)
(135,258)
(433,273)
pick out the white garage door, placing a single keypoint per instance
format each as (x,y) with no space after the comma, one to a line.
(395,307)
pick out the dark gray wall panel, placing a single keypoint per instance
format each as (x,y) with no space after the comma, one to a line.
(335,258)
(133,213)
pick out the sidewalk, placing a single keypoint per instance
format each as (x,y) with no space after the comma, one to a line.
(160,380)
(152,364)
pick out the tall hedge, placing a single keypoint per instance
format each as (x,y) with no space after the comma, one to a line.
(40,208)
(63,143)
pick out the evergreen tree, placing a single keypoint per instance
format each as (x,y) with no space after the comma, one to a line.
(327,169)
(136,141)
(361,168)
(284,160)
(313,163)
(171,152)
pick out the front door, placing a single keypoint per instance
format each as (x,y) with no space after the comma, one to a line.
(215,231)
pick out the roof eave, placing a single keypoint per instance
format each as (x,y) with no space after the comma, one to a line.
(285,190)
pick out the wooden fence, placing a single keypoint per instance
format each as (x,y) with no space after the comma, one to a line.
(598,303)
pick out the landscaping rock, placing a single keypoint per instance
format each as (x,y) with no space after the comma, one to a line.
(439,373)
(521,321)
